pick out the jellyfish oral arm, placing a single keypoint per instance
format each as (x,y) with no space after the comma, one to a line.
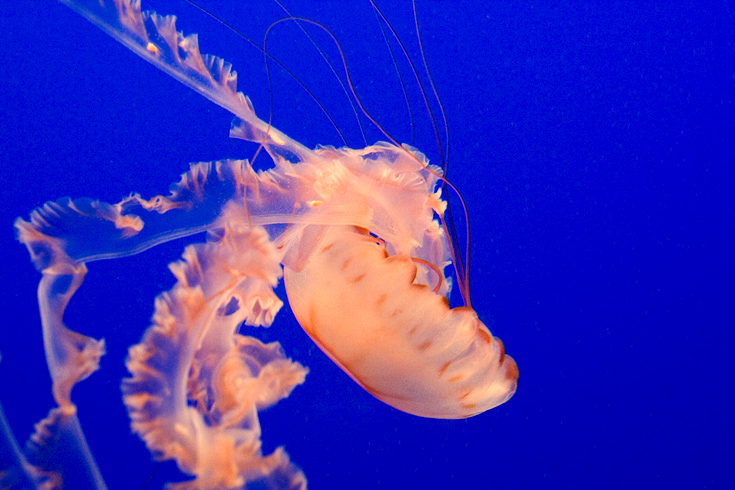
(197,385)
(154,38)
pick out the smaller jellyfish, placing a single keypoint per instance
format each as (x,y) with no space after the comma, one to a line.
(355,233)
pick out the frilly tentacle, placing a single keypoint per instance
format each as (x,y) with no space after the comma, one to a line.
(196,384)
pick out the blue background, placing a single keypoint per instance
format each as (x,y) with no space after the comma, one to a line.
(594,144)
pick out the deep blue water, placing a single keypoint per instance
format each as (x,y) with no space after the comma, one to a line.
(594,145)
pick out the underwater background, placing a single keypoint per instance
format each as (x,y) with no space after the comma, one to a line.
(594,144)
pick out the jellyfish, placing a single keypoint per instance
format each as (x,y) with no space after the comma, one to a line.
(357,236)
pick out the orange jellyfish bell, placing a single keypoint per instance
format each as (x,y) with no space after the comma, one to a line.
(398,339)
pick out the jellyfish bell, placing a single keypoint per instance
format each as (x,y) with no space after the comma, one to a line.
(398,339)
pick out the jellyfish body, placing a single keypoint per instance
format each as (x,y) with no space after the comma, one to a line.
(398,339)
(353,231)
